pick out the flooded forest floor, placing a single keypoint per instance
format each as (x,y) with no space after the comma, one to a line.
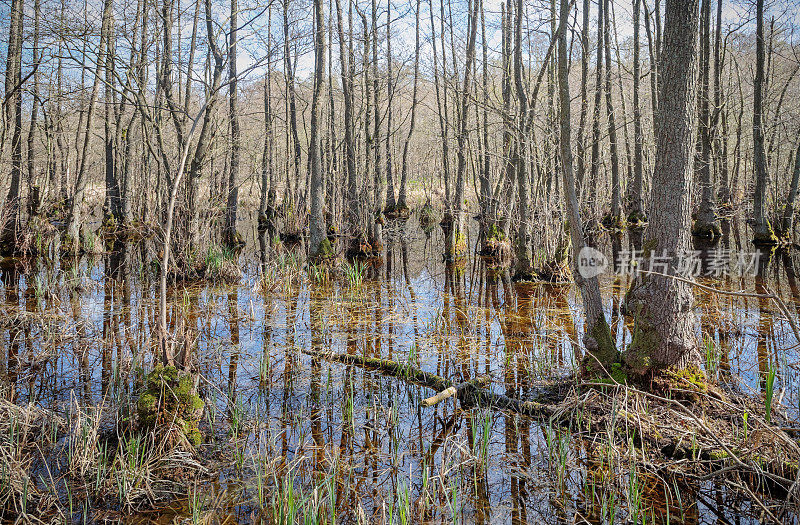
(292,433)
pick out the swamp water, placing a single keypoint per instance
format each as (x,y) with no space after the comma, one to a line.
(289,437)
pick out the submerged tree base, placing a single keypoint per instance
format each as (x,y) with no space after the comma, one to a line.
(706,230)
(612,222)
(171,407)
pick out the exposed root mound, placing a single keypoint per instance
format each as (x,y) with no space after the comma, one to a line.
(291,238)
(496,252)
(29,239)
(220,264)
(359,248)
(171,407)
(427,217)
(555,272)
(721,436)
(612,222)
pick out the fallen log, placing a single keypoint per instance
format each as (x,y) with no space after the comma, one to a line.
(470,394)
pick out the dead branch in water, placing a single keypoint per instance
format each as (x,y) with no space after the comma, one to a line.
(469,393)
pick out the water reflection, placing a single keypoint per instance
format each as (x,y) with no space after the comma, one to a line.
(457,320)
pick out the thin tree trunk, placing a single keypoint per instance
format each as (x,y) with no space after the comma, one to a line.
(293,182)
(456,242)
(762,230)
(13,107)
(230,236)
(787,221)
(598,98)
(720,138)
(523,250)
(402,201)
(616,205)
(266,207)
(113,213)
(71,243)
(706,224)
(352,213)
(319,246)
(34,195)
(390,210)
(636,201)
(379,186)
(597,337)
(581,142)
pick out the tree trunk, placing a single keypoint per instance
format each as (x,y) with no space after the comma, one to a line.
(616,206)
(664,320)
(523,251)
(380,181)
(34,195)
(597,337)
(705,224)
(354,234)
(402,201)
(581,168)
(230,236)
(13,106)
(787,221)
(594,169)
(762,229)
(635,201)
(391,203)
(456,241)
(718,118)
(72,241)
(290,198)
(266,205)
(113,212)
(319,246)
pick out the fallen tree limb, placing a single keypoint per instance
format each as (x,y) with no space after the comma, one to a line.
(478,382)
(470,394)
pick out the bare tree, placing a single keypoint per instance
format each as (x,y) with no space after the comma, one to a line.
(319,246)
(762,229)
(597,337)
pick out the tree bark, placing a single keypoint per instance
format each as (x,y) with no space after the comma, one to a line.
(664,320)
(616,205)
(762,229)
(402,200)
(230,236)
(13,107)
(706,224)
(597,337)
(319,246)
(635,201)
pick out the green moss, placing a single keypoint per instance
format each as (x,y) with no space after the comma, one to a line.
(766,238)
(325,249)
(645,338)
(460,245)
(688,376)
(606,351)
(171,399)
(636,219)
(618,373)
(496,233)
(718,455)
